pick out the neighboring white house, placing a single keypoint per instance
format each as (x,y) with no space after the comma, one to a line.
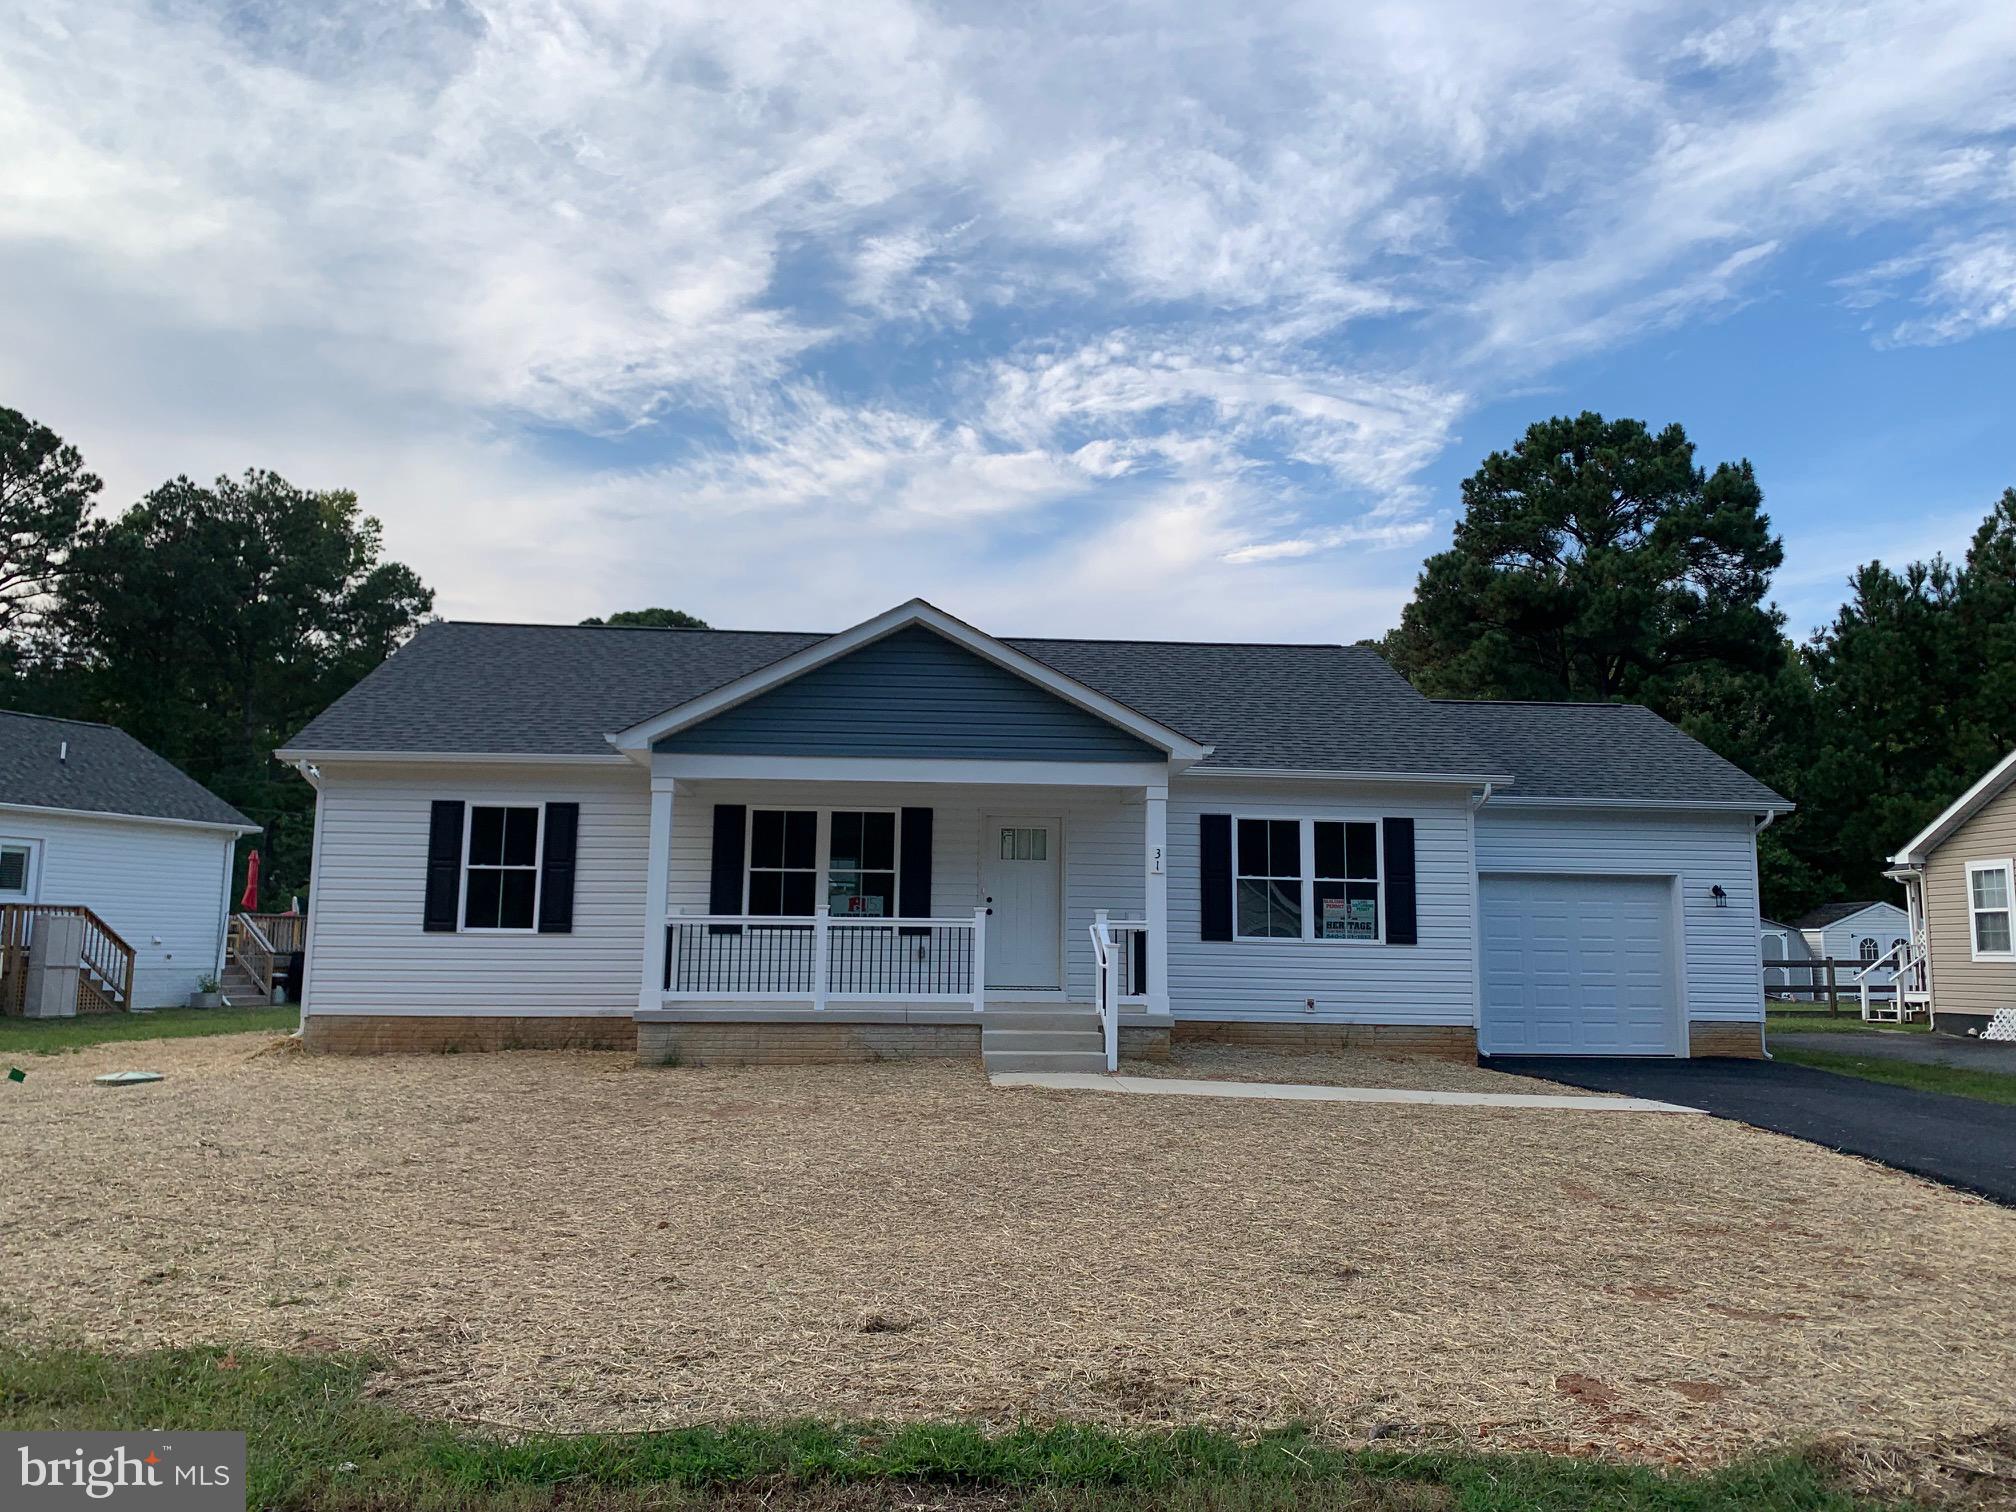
(91,819)
(1864,932)
(915,838)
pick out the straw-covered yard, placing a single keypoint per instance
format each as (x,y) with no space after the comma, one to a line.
(565,1240)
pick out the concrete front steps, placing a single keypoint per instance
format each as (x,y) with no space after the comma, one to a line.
(1063,1037)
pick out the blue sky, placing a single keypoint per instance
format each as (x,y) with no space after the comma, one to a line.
(1175,320)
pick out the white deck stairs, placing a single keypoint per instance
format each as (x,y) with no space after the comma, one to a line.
(1042,1037)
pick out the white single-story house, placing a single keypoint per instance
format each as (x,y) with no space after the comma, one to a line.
(726,845)
(1959,876)
(94,823)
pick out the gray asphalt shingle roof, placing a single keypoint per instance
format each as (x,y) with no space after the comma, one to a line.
(1594,750)
(1833,913)
(468,687)
(105,771)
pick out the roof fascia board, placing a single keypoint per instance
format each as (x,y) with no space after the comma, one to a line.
(221,825)
(1957,813)
(1683,805)
(639,737)
(687,767)
(1295,774)
(458,758)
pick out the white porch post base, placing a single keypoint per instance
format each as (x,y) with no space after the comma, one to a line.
(1155,838)
(657,897)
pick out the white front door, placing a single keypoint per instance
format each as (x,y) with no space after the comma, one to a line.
(1021,872)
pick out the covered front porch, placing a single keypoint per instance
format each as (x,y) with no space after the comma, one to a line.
(919,898)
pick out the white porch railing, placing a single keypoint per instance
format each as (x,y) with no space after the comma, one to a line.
(1903,968)
(1119,960)
(823,959)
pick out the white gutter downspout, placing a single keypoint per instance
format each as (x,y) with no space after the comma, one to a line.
(1757,889)
(312,775)
(1481,797)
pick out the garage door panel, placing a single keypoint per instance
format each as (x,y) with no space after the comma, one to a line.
(1577,966)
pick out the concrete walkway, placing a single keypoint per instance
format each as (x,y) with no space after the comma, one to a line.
(1169,1086)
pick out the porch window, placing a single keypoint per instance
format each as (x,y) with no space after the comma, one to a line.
(1347,880)
(783,862)
(861,864)
(500,888)
(1267,880)
(1988,898)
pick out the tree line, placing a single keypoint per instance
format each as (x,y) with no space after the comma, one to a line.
(1598,560)
(1595,559)
(210,622)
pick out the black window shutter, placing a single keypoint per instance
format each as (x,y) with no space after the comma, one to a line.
(1401,928)
(914,862)
(444,868)
(556,868)
(1214,876)
(724,886)
(1140,962)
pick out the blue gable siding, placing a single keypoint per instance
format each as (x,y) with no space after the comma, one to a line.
(912,693)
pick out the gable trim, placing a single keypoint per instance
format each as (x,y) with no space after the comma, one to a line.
(220,825)
(1847,919)
(1920,847)
(636,741)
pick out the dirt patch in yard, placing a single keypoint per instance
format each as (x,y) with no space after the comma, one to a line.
(563,1240)
(1348,1068)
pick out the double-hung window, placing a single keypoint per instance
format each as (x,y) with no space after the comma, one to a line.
(1267,880)
(500,888)
(1347,880)
(861,864)
(795,860)
(783,862)
(1989,902)
(1307,879)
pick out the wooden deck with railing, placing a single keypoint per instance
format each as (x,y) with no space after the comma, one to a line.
(105,985)
(258,944)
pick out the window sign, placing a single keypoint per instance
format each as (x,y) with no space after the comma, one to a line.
(1350,919)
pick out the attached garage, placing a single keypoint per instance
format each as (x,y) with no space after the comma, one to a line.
(1579,965)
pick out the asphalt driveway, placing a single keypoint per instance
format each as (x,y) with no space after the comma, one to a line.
(1958,1140)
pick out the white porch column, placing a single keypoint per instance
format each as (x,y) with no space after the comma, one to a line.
(1155,841)
(657,895)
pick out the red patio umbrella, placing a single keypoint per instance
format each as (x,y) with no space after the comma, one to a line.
(250,902)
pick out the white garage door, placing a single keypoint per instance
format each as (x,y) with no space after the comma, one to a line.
(1578,966)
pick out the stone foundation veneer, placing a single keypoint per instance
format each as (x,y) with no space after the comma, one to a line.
(1437,1042)
(800,1044)
(446,1034)
(1733,1039)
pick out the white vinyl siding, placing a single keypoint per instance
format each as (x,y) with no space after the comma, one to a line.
(161,886)
(1721,953)
(1431,983)
(370,953)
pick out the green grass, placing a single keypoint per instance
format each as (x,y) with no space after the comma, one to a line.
(1804,1023)
(1985,1086)
(52,1036)
(319,1442)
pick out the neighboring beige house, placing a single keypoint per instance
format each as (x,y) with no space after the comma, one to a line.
(1959,877)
